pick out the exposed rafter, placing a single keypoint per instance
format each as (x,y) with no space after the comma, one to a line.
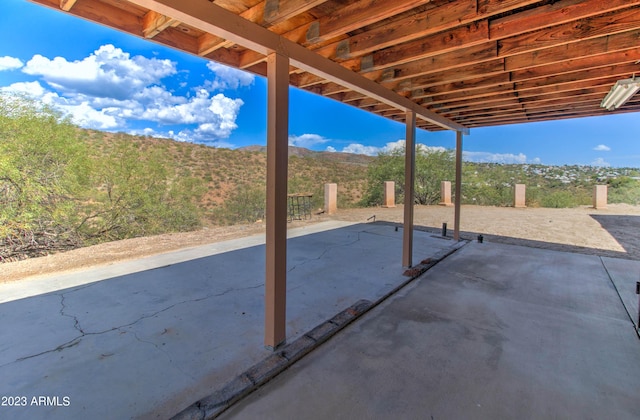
(213,19)
(468,62)
(66,5)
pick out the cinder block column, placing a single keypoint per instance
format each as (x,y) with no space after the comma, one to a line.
(600,197)
(445,193)
(330,198)
(389,194)
(519,196)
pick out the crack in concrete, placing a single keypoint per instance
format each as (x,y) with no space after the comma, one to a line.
(160,349)
(327,249)
(75,341)
(76,324)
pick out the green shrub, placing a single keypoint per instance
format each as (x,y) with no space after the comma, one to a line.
(558,199)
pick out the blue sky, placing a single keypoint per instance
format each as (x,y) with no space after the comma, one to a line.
(111,81)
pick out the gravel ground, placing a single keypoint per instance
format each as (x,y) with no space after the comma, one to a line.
(613,232)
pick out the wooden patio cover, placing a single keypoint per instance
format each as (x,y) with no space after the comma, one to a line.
(474,62)
(440,64)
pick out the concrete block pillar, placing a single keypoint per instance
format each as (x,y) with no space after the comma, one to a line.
(330,198)
(519,196)
(445,193)
(600,197)
(389,194)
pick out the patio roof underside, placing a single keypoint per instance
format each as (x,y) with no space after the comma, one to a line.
(474,62)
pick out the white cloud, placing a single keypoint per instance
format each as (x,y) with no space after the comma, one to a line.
(306,140)
(484,157)
(10,63)
(107,72)
(110,87)
(602,148)
(487,157)
(183,136)
(80,112)
(360,149)
(85,116)
(390,147)
(331,149)
(30,89)
(600,162)
(227,77)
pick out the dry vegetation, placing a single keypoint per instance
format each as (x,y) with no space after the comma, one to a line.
(226,171)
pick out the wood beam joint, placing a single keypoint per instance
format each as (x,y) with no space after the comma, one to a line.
(66,5)
(153,23)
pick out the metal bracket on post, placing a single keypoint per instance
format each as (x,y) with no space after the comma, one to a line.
(638,293)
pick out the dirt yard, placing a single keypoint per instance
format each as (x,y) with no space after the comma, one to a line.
(613,232)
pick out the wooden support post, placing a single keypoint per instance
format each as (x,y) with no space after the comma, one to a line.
(458,200)
(276,211)
(409,180)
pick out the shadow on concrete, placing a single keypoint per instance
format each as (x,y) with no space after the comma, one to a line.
(621,228)
(492,332)
(172,331)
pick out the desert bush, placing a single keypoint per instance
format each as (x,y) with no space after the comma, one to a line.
(624,190)
(432,167)
(558,199)
(246,204)
(44,170)
(138,192)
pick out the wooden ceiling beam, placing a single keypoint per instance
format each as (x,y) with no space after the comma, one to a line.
(102,13)
(351,17)
(484,51)
(266,14)
(433,22)
(561,12)
(497,112)
(465,36)
(383,59)
(355,16)
(462,89)
(276,11)
(67,5)
(555,13)
(486,69)
(582,49)
(429,22)
(480,102)
(623,70)
(211,18)
(153,23)
(568,33)
(444,16)
(581,64)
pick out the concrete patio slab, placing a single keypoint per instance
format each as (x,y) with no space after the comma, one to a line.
(492,332)
(145,339)
(624,275)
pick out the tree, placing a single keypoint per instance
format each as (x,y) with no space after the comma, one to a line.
(432,167)
(138,192)
(44,169)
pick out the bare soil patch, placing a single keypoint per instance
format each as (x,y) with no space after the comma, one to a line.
(611,232)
